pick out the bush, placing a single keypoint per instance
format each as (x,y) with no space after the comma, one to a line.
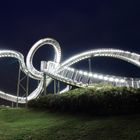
(100,100)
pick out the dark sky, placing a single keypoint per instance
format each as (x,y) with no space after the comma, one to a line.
(76,25)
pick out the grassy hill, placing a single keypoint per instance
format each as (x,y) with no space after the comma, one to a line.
(20,124)
(98,100)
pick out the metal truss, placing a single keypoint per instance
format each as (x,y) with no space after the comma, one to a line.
(54,70)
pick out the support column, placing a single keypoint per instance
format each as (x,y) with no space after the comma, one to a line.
(132,84)
(54,86)
(58,87)
(27,89)
(44,84)
(12,104)
(89,64)
(18,84)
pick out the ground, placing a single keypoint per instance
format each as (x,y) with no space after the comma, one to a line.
(20,124)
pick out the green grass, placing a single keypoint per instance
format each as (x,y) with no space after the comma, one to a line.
(20,124)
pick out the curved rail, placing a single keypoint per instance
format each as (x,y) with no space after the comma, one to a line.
(20,58)
(64,71)
(30,70)
(29,60)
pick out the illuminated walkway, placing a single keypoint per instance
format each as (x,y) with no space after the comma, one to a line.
(64,71)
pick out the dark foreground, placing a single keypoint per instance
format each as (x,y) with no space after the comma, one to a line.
(20,124)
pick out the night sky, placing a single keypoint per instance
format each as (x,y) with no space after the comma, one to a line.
(76,25)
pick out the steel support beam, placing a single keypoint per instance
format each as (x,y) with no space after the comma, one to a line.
(44,85)
(18,85)
(58,87)
(54,88)
(27,88)
(89,64)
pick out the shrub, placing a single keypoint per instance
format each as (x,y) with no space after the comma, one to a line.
(98,100)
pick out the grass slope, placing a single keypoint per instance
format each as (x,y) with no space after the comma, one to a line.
(20,124)
(104,100)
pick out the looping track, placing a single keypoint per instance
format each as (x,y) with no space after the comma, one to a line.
(64,71)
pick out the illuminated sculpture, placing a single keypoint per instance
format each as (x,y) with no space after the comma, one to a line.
(63,71)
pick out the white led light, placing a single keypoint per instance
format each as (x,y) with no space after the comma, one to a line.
(72,69)
(100,77)
(67,68)
(111,79)
(122,80)
(85,73)
(95,75)
(80,72)
(106,78)
(90,74)
(116,80)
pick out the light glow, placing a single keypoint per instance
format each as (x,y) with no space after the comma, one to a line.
(60,71)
